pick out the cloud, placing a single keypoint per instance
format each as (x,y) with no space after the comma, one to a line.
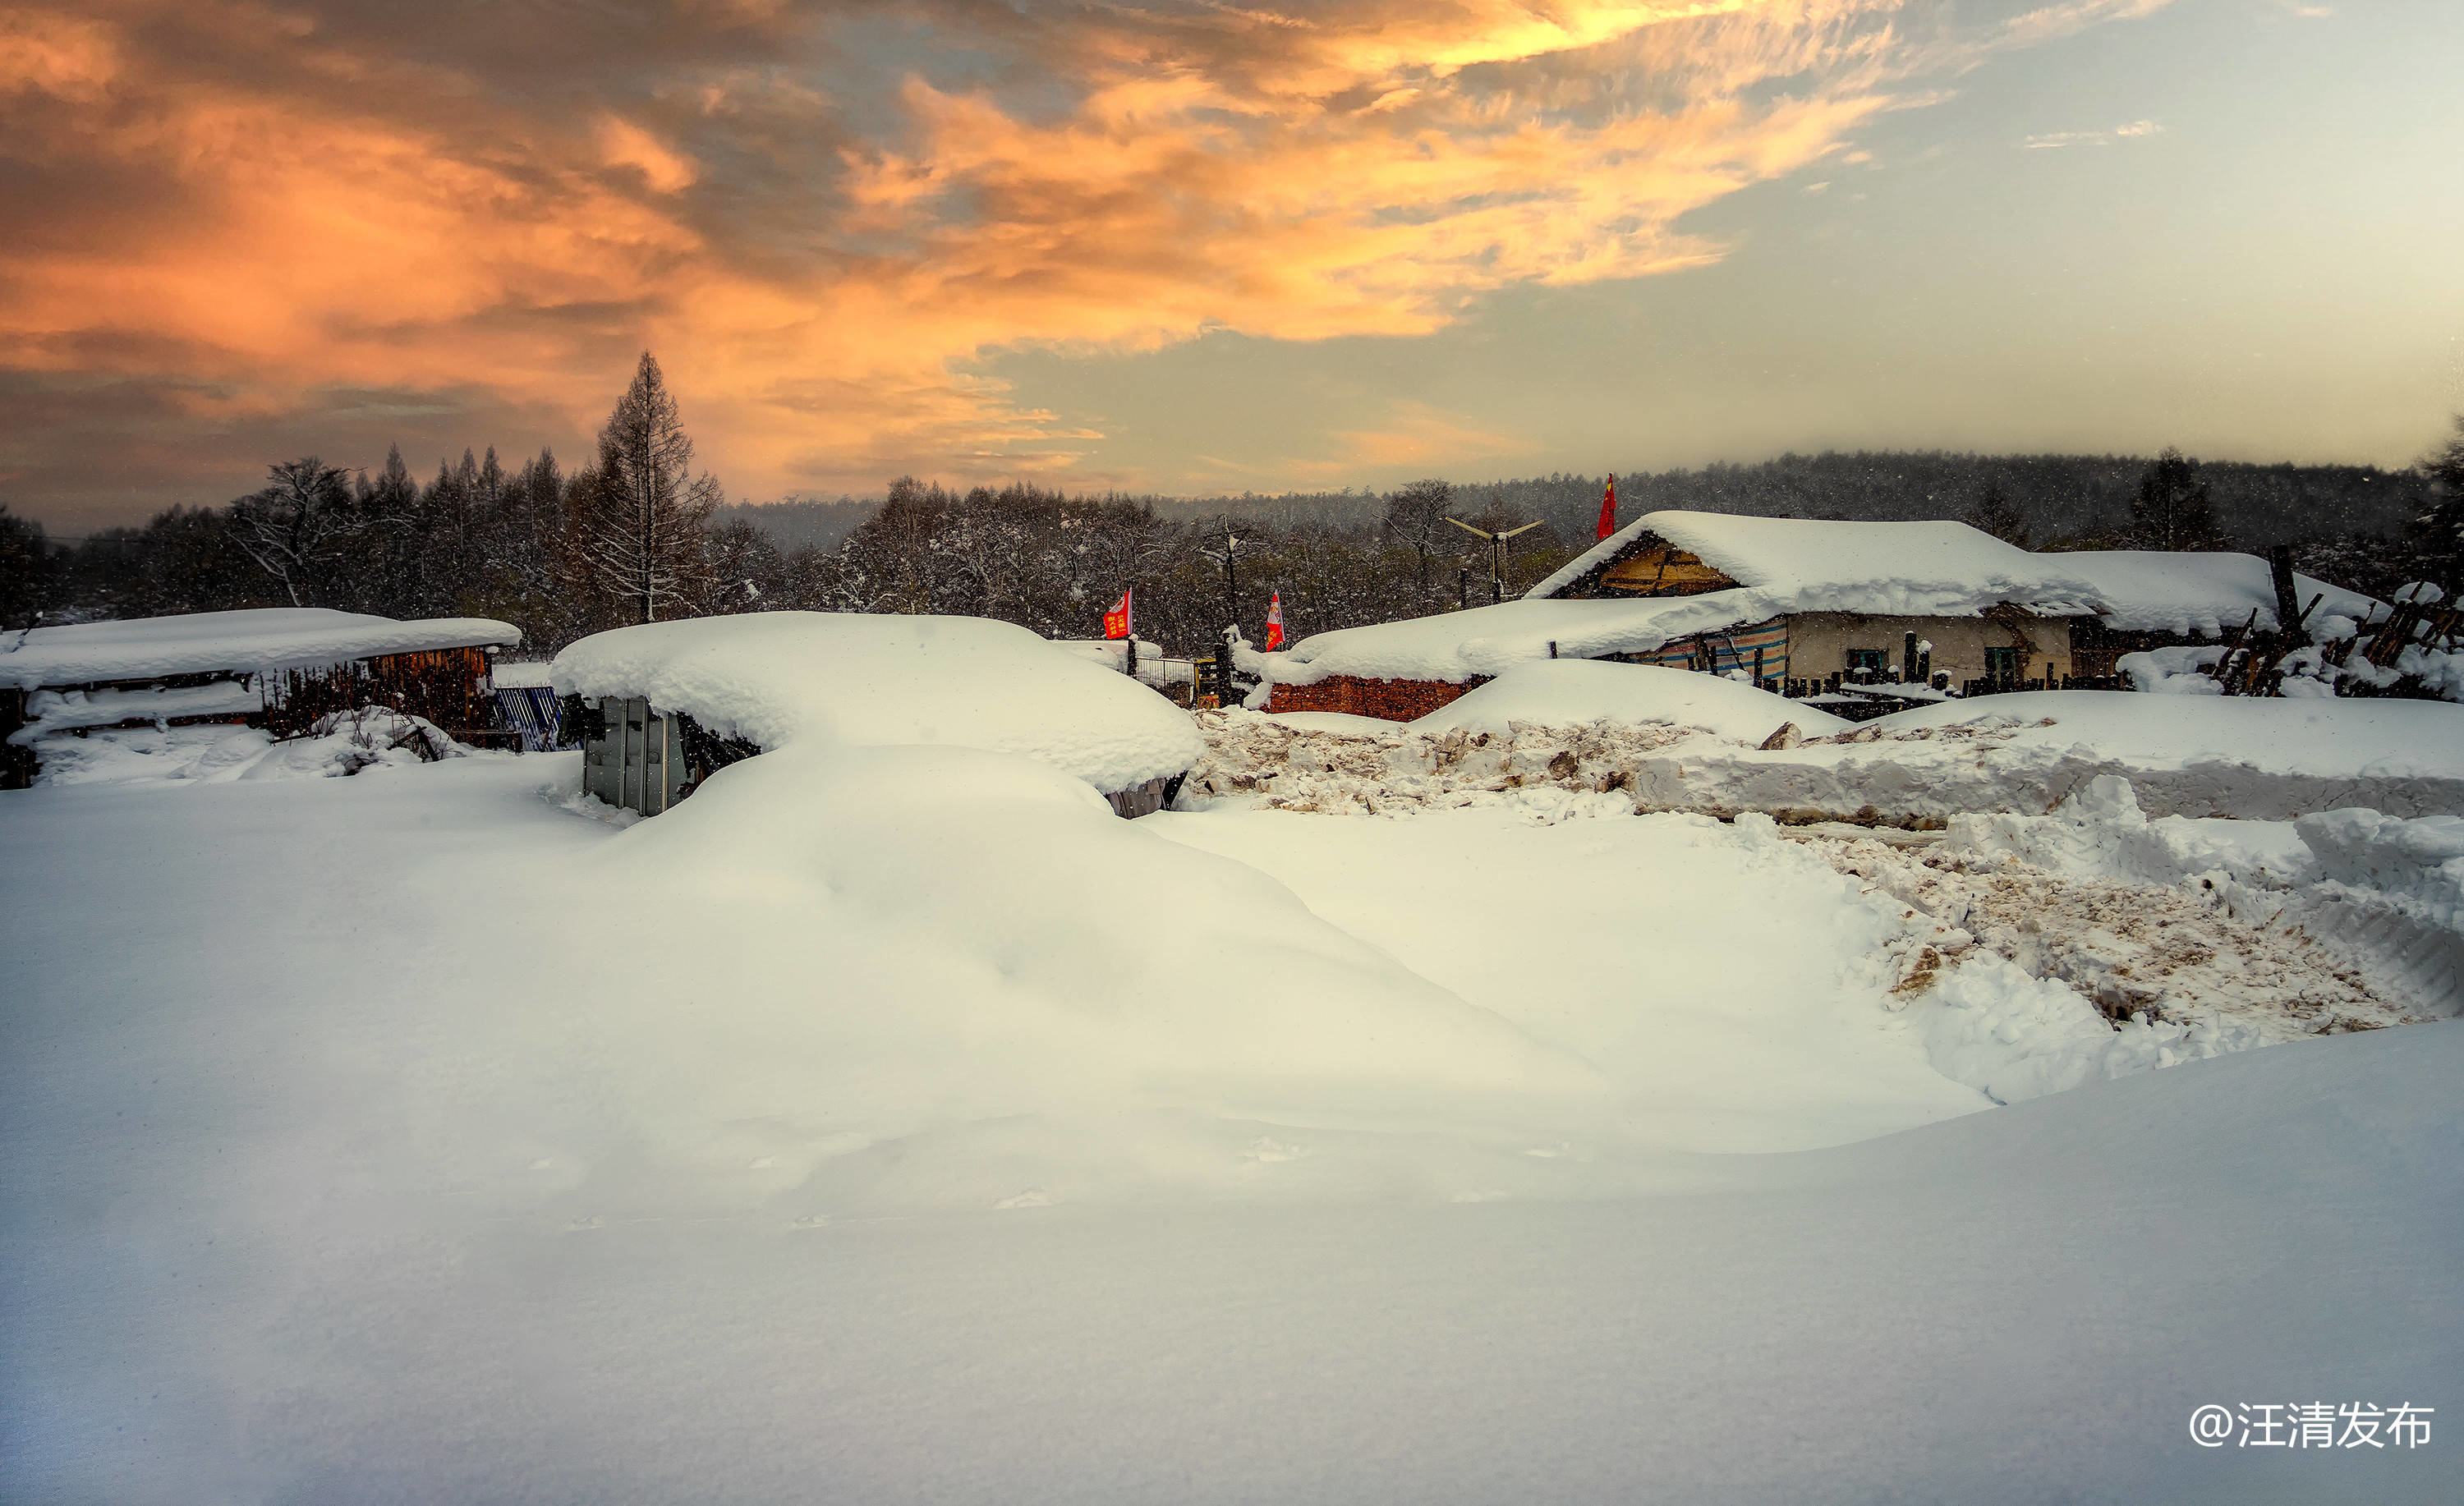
(2106,138)
(1415,436)
(826,218)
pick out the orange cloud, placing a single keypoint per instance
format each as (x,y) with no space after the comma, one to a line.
(820,266)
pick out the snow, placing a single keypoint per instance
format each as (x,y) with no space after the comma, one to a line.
(1570,692)
(433,1162)
(49,711)
(1456,646)
(1946,569)
(513,674)
(234,643)
(340,744)
(2255,760)
(891,1120)
(2207,594)
(850,679)
(1714,1039)
(2378,738)
(1918,569)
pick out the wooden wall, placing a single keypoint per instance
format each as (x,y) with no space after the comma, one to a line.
(442,685)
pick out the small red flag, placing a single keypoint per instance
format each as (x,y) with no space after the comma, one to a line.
(1275,623)
(1116,622)
(1608,511)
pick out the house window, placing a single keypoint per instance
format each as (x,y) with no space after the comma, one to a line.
(2002,663)
(1864,664)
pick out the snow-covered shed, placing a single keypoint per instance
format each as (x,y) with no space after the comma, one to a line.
(666,705)
(279,667)
(1800,606)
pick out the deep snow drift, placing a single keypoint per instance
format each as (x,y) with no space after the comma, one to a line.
(891,1120)
(851,680)
(468,1148)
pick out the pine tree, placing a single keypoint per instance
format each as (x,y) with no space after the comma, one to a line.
(2172,510)
(26,569)
(1995,514)
(641,516)
(2441,530)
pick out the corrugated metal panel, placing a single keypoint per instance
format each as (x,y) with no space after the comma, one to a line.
(534,712)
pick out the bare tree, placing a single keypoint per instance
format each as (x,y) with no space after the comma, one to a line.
(641,520)
(296,526)
(1416,518)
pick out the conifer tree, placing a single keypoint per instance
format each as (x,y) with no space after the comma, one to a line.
(1995,514)
(2441,530)
(2172,510)
(642,509)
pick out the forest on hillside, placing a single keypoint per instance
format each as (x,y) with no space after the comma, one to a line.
(634,534)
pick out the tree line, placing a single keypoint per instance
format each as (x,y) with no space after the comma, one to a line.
(636,535)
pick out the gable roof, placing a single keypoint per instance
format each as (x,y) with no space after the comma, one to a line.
(227,642)
(1925,569)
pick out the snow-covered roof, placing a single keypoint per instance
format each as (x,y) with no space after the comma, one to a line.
(1455,647)
(1927,569)
(1788,565)
(233,643)
(2142,590)
(857,680)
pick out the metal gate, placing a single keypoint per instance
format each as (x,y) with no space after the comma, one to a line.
(635,758)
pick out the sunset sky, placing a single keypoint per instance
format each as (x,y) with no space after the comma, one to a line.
(1197,247)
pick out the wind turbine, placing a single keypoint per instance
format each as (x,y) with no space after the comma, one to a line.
(1496,552)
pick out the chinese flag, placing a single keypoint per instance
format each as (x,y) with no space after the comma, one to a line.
(1608,511)
(1275,623)
(1116,622)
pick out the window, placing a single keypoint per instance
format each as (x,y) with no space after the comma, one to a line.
(1864,664)
(2002,663)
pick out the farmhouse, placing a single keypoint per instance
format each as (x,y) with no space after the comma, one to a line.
(279,668)
(1905,611)
(665,706)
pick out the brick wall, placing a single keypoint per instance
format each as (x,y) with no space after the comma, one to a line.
(1392,700)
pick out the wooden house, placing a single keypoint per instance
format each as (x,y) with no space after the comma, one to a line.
(1856,615)
(279,668)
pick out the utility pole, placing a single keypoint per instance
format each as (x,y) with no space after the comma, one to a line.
(1496,552)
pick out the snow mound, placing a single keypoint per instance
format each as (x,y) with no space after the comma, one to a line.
(914,940)
(2377,738)
(240,643)
(852,679)
(340,744)
(1575,692)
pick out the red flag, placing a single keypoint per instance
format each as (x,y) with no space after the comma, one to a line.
(1275,623)
(1608,511)
(1116,622)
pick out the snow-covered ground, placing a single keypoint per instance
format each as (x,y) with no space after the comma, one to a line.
(894,1123)
(1693,743)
